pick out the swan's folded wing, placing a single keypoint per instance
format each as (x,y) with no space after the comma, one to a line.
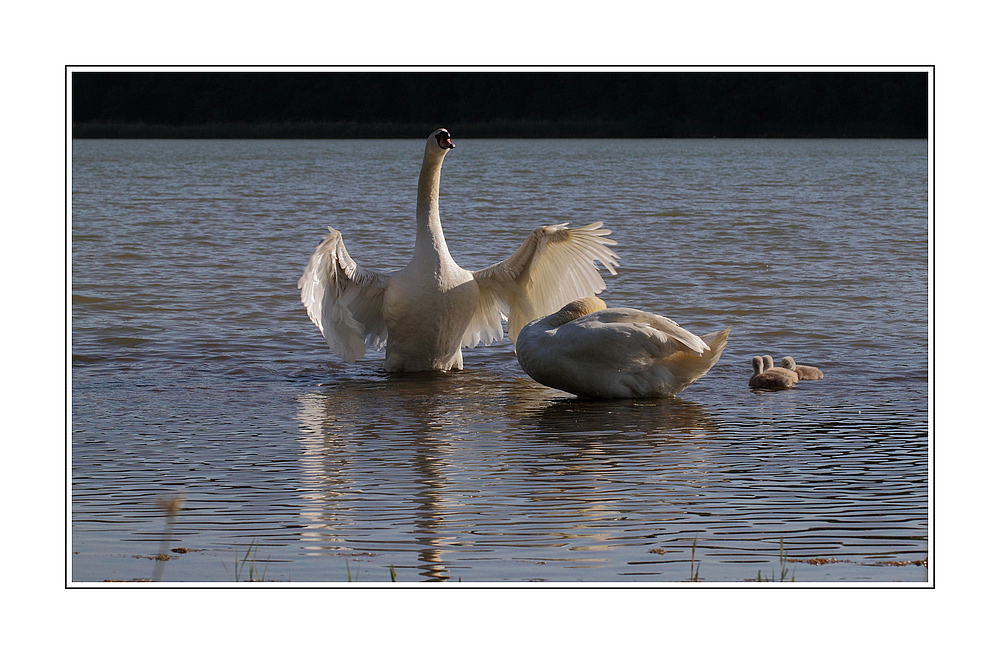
(660,329)
(690,368)
(553,266)
(343,299)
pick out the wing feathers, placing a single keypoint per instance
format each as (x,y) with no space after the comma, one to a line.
(662,336)
(554,265)
(486,326)
(343,299)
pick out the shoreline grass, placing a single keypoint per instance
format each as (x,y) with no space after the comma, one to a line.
(783,563)
(253,559)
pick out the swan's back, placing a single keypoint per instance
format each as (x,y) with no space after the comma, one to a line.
(616,352)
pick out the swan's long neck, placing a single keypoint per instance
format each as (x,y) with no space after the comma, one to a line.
(430,236)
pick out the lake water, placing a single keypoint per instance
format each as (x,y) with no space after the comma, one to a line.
(196,373)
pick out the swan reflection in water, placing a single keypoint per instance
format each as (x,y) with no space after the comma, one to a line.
(422,461)
(571,418)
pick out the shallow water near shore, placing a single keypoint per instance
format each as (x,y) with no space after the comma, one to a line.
(196,373)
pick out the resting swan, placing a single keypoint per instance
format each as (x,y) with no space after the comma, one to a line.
(424,314)
(769,380)
(803,372)
(592,351)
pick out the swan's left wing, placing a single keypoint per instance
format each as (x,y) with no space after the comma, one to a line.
(344,300)
(553,266)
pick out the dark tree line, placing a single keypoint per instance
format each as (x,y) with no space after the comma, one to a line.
(632,104)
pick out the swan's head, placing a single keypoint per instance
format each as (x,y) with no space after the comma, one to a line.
(768,361)
(578,309)
(439,142)
(758,365)
(788,362)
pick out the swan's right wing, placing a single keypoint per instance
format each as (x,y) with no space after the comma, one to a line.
(553,266)
(343,299)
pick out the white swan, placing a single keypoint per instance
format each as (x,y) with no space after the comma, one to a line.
(770,367)
(592,351)
(768,379)
(425,313)
(803,372)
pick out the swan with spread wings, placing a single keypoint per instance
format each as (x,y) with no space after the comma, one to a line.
(425,313)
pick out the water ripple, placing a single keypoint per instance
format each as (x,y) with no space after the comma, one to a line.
(195,371)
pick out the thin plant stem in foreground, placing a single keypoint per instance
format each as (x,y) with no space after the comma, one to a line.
(171,507)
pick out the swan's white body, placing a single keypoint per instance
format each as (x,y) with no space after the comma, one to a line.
(427,312)
(770,380)
(592,351)
(803,372)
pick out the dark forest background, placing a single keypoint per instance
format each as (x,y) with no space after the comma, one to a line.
(499,104)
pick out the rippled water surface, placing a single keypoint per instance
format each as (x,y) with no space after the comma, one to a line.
(197,374)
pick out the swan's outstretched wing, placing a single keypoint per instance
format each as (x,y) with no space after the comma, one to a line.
(553,266)
(343,299)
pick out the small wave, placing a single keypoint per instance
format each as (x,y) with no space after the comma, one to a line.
(125,341)
(914,377)
(85,299)
(87,358)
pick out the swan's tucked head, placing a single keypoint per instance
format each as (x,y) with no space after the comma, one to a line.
(768,361)
(788,362)
(578,309)
(439,142)
(758,365)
